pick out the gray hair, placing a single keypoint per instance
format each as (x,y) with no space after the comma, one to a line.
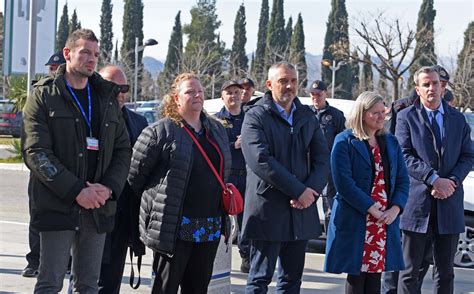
(272,71)
(424,69)
(364,102)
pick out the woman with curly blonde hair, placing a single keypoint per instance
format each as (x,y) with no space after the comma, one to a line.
(181,215)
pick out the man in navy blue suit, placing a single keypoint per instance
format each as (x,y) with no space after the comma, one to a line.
(125,233)
(438,151)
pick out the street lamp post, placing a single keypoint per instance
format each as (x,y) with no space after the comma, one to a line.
(333,67)
(149,42)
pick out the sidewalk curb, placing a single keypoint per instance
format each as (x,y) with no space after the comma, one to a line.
(14,166)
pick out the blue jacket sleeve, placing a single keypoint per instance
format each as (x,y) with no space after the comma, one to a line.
(341,164)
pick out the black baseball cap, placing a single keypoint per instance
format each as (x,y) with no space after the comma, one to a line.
(318,85)
(56,59)
(230,83)
(247,82)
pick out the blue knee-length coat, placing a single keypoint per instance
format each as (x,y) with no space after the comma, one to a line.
(352,171)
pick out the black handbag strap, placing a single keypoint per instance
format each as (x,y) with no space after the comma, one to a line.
(132,272)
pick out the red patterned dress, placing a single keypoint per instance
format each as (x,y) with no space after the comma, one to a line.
(373,260)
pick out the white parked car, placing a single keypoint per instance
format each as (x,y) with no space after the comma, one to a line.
(464,256)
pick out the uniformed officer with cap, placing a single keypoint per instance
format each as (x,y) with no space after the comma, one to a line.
(248,87)
(332,122)
(55,61)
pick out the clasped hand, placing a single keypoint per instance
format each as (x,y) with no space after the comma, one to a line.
(384,216)
(443,188)
(94,195)
(305,200)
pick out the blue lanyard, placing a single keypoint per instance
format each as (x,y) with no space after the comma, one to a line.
(88,120)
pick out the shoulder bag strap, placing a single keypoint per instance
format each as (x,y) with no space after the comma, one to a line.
(132,272)
(221,182)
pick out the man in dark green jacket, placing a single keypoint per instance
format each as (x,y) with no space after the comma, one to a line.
(78,150)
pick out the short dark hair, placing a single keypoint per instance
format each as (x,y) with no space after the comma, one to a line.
(84,34)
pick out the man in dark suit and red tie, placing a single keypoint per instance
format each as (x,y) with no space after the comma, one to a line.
(438,152)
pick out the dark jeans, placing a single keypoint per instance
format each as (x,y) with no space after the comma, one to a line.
(191,268)
(365,283)
(263,258)
(444,247)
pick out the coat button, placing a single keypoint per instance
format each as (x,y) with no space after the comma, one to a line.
(110,103)
(80,155)
(106,124)
(77,120)
(76,228)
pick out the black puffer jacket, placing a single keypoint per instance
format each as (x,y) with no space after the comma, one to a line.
(161,164)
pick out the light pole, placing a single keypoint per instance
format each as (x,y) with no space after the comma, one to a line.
(333,67)
(149,42)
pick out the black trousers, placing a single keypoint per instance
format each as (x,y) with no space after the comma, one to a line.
(365,283)
(390,279)
(33,256)
(111,272)
(191,268)
(443,246)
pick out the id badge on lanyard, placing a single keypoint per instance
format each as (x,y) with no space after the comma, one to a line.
(91,142)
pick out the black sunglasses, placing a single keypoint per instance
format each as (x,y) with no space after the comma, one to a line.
(124,88)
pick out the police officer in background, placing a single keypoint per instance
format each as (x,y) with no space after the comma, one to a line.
(54,62)
(232,116)
(248,89)
(332,122)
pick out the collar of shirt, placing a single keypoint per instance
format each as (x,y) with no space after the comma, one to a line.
(284,115)
(439,118)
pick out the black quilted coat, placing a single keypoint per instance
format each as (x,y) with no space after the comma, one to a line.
(161,164)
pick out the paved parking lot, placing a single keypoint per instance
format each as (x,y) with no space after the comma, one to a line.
(14,246)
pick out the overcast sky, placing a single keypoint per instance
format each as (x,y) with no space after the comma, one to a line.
(452,18)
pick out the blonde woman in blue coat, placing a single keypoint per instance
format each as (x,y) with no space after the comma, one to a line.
(372,183)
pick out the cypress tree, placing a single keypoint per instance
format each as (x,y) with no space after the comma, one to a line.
(425,37)
(382,84)
(289,33)
(204,50)
(336,47)
(276,37)
(116,58)
(367,81)
(132,28)
(106,32)
(258,63)
(238,58)
(298,53)
(74,24)
(355,73)
(173,57)
(63,29)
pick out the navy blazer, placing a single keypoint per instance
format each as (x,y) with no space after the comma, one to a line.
(454,160)
(353,178)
